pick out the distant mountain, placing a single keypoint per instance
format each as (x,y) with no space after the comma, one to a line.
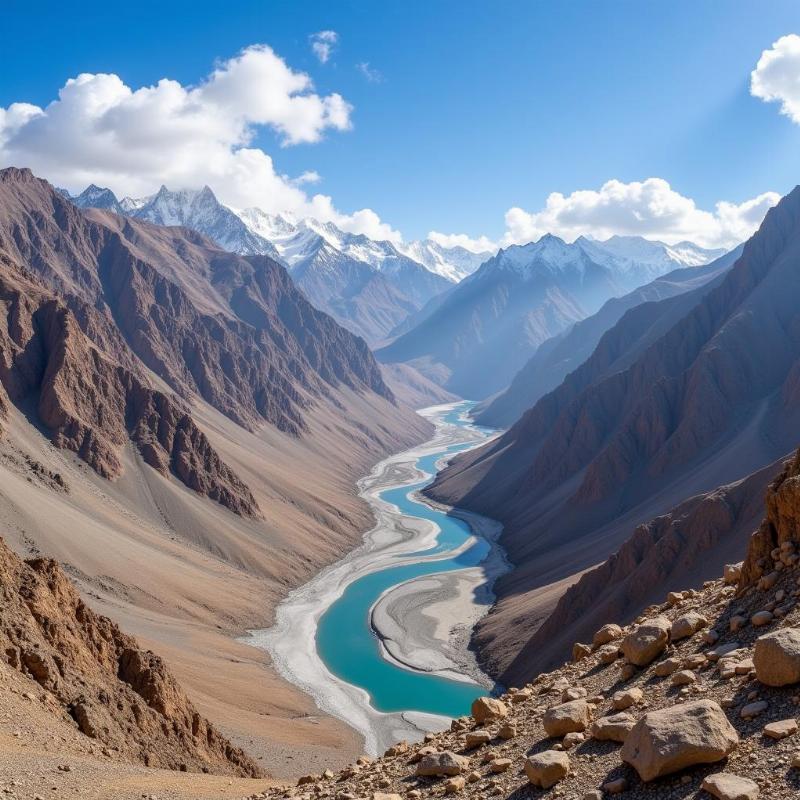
(637,260)
(453,263)
(491,323)
(196,209)
(559,356)
(368,286)
(681,396)
(96,197)
(484,330)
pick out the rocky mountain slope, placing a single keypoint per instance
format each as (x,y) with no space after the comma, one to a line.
(518,300)
(559,356)
(112,690)
(695,697)
(709,400)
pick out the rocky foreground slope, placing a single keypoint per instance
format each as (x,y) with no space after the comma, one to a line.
(698,697)
(117,694)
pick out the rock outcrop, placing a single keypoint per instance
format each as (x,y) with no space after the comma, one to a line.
(116,693)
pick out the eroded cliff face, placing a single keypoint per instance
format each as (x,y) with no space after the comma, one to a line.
(92,405)
(781,523)
(115,692)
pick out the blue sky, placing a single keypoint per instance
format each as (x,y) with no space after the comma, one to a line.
(480,106)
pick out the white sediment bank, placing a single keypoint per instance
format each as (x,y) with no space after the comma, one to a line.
(424,624)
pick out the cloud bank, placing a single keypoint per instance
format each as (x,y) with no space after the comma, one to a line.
(776,78)
(99,130)
(649,208)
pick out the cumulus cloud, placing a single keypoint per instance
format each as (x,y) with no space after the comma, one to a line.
(649,208)
(481,244)
(99,130)
(323,44)
(776,78)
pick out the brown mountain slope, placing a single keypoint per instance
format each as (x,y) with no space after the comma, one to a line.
(90,404)
(233,330)
(117,693)
(708,402)
(684,547)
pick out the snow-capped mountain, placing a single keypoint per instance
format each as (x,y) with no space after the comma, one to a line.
(96,197)
(519,298)
(200,210)
(197,209)
(637,260)
(453,263)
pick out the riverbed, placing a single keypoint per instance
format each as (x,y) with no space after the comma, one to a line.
(379,639)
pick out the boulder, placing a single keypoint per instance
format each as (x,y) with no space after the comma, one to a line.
(567,718)
(608,633)
(667,667)
(580,651)
(486,709)
(477,738)
(668,740)
(614,728)
(687,625)
(647,641)
(626,698)
(727,786)
(546,769)
(442,764)
(776,657)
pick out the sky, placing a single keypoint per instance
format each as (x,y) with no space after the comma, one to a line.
(485,122)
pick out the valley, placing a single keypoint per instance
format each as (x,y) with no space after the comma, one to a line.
(400,402)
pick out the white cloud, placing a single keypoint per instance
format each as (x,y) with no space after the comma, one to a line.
(481,244)
(370,73)
(649,208)
(776,77)
(101,131)
(323,44)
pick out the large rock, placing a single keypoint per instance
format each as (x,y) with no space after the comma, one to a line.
(647,641)
(608,633)
(486,709)
(776,657)
(442,764)
(547,768)
(567,718)
(687,625)
(671,739)
(614,728)
(727,786)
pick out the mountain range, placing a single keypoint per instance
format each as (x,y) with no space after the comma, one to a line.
(519,299)
(565,352)
(681,397)
(368,286)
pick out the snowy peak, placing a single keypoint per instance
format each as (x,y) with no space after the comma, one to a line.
(644,259)
(97,197)
(453,263)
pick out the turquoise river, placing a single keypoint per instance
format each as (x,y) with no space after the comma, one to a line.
(346,642)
